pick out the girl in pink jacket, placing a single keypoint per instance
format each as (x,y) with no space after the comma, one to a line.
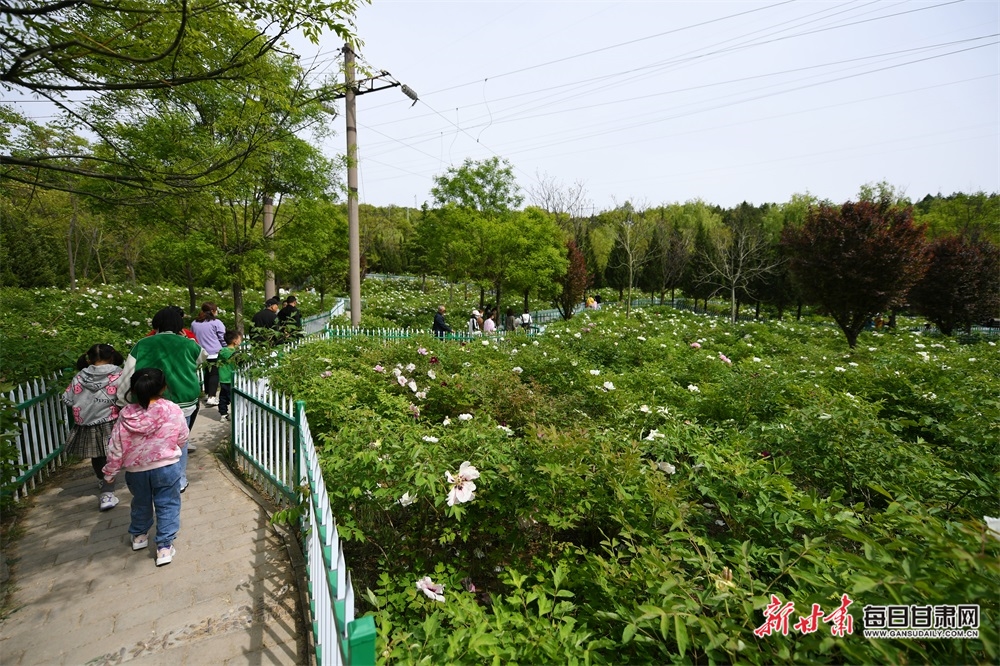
(146,441)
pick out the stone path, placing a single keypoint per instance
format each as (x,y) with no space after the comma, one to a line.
(82,596)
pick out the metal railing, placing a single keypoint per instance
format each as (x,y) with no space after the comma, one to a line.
(44,425)
(317,322)
(273,445)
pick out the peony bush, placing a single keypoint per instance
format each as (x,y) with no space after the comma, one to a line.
(638,490)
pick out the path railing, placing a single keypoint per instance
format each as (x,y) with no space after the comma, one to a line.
(273,445)
(41,432)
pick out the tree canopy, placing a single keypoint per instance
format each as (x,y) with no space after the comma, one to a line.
(857,260)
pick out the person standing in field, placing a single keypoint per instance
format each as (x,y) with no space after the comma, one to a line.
(178,358)
(91,397)
(146,442)
(440,325)
(211,335)
(489,324)
(508,324)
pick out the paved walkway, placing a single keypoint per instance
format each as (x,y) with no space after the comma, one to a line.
(82,596)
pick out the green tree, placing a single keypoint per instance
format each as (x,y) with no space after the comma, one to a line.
(120,54)
(740,254)
(857,260)
(487,186)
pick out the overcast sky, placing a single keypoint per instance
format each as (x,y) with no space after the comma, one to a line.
(660,101)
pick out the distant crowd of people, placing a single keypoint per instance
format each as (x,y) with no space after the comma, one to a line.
(485,322)
(134,413)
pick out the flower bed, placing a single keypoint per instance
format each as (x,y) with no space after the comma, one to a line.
(636,491)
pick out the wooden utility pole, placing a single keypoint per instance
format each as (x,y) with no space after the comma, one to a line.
(353,226)
(269,288)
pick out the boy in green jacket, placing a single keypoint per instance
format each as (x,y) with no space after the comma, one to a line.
(227,368)
(178,357)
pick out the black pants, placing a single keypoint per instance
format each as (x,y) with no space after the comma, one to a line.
(211,372)
(225,397)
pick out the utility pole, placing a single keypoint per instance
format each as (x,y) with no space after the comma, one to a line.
(353,225)
(269,287)
(351,113)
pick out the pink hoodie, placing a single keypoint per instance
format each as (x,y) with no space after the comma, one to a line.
(145,439)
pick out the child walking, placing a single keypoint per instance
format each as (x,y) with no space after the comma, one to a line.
(146,441)
(227,367)
(92,395)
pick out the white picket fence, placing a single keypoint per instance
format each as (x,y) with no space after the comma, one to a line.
(41,433)
(273,444)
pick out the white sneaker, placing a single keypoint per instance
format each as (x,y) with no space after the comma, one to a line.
(192,448)
(139,541)
(165,555)
(224,417)
(108,501)
(211,402)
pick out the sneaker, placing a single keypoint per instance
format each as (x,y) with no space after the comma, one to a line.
(191,448)
(211,402)
(224,417)
(139,541)
(165,555)
(108,501)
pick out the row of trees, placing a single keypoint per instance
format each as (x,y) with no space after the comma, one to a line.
(183,129)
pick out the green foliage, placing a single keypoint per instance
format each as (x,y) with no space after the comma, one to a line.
(10,421)
(44,330)
(488,186)
(646,483)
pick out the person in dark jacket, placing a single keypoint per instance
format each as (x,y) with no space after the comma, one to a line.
(264,322)
(440,326)
(289,320)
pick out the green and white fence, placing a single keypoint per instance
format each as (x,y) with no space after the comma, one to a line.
(273,444)
(41,431)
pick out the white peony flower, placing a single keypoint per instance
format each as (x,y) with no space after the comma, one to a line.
(430,588)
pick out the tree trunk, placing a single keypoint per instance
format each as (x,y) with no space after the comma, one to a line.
(756,313)
(482,298)
(238,305)
(798,313)
(69,248)
(525,299)
(499,309)
(734,306)
(192,296)
(100,265)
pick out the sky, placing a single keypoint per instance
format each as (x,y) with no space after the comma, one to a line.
(660,101)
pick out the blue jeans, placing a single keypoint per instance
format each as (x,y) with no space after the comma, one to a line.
(156,490)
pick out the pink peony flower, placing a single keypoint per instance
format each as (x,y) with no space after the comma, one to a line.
(326,373)
(422,351)
(724,359)
(378,368)
(402,380)
(695,345)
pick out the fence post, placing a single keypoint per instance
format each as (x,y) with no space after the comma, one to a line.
(361,642)
(300,415)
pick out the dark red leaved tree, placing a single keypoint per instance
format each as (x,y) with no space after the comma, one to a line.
(574,282)
(857,260)
(962,284)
